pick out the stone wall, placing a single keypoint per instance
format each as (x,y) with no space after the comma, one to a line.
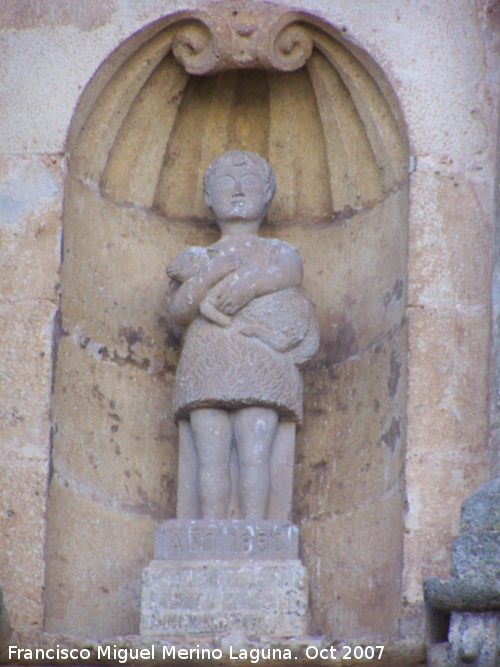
(441,60)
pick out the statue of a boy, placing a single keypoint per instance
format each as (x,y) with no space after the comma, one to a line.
(248,328)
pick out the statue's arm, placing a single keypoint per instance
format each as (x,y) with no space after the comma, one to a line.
(187,298)
(247,283)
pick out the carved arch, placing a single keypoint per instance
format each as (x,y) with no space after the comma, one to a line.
(364,153)
(292,88)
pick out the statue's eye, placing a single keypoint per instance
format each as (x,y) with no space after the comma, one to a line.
(225,182)
(250,180)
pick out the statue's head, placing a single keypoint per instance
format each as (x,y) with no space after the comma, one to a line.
(239,185)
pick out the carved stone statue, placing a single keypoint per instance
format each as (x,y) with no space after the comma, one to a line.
(248,328)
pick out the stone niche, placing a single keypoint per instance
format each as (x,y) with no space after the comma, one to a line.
(170,99)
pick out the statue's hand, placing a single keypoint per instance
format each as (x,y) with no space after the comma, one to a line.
(236,295)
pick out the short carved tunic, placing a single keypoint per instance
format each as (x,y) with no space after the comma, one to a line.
(224,368)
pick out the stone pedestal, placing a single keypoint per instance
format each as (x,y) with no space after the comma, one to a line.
(223,577)
(224,597)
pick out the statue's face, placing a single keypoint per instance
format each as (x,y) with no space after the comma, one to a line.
(238,192)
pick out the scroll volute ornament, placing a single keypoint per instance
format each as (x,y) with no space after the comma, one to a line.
(231,36)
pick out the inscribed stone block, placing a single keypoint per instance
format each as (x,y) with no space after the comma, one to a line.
(203,539)
(223,597)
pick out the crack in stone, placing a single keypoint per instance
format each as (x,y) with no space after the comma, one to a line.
(90,492)
(322,516)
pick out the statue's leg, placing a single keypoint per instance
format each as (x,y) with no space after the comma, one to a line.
(254,430)
(212,435)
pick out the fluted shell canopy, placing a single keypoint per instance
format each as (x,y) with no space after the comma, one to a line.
(328,128)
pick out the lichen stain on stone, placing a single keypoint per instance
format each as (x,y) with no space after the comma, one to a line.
(132,336)
(338,340)
(395,293)
(493,13)
(27,15)
(320,467)
(394,375)
(391,437)
(93,462)
(23,188)
(172,337)
(315,411)
(303,509)
(168,485)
